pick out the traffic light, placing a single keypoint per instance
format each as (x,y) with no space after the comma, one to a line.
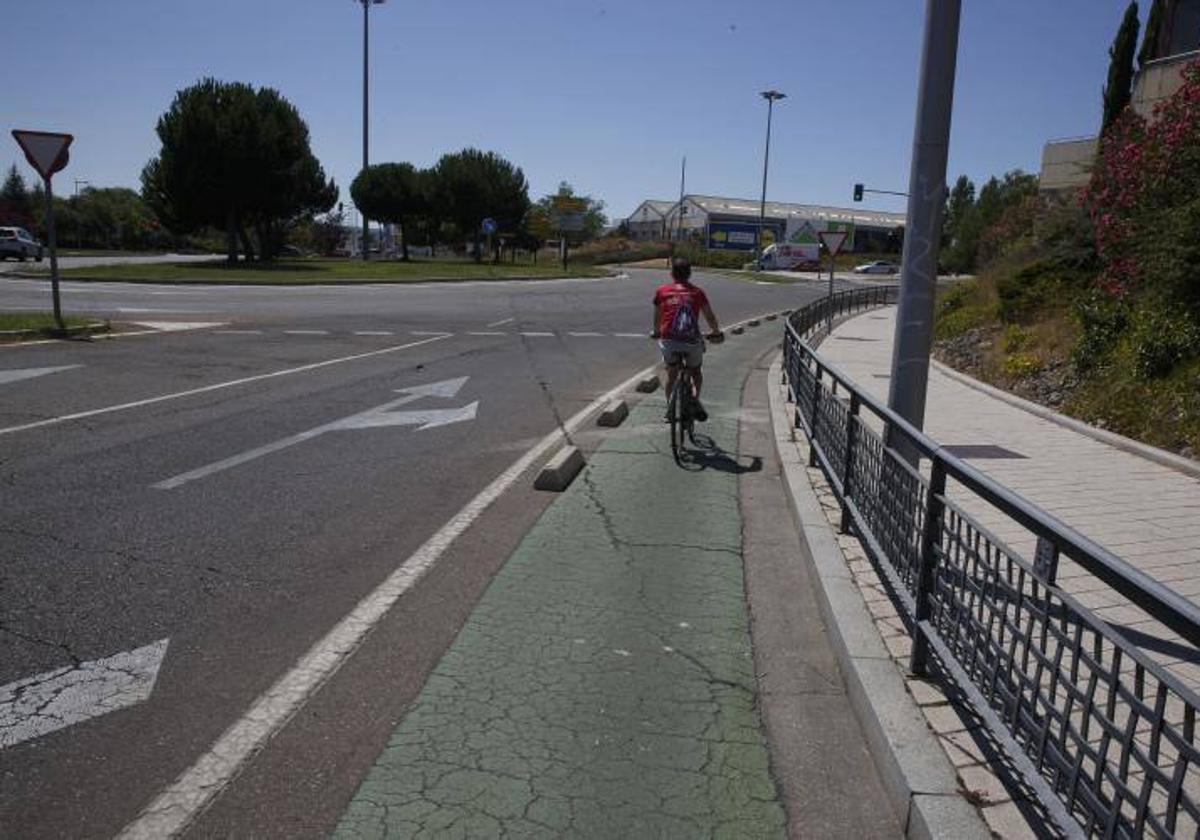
(858,191)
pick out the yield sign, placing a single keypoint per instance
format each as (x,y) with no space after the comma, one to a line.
(832,240)
(45,150)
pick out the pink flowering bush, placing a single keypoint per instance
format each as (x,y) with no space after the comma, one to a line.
(1144,205)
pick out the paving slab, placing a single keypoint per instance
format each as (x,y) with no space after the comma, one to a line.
(1144,512)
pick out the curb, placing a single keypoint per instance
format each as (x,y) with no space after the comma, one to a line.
(917,775)
(51,332)
(1143,450)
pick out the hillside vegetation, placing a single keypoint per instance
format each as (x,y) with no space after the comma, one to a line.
(1090,305)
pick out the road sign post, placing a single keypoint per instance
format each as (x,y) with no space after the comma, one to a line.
(833,241)
(47,153)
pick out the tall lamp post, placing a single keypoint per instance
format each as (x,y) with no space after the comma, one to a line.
(366,4)
(771,96)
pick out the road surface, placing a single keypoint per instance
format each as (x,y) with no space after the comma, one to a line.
(187,510)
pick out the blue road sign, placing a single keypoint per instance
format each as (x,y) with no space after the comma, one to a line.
(488,226)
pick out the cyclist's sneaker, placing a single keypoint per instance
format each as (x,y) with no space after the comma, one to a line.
(701,414)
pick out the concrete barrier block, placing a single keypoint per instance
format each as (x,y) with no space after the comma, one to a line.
(560,470)
(753,322)
(738,330)
(648,385)
(613,414)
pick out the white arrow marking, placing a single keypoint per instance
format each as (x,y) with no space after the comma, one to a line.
(425,419)
(36,706)
(179,326)
(383,415)
(7,376)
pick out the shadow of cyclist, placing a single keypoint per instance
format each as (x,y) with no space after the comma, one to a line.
(709,456)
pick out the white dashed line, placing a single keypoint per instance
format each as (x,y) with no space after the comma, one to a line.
(486,332)
(499,323)
(586,334)
(306,332)
(630,335)
(373,332)
(538,334)
(425,332)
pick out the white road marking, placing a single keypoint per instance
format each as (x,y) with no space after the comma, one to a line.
(631,335)
(79,415)
(428,332)
(383,415)
(586,334)
(487,332)
(176,806)
(500,323)
(39,705)
(538,334)
(306,332)
(7,376)
(373,332)
(179,326)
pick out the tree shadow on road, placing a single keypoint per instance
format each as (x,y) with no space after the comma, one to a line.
(709,456)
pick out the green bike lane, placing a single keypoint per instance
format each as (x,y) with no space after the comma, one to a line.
(604,685)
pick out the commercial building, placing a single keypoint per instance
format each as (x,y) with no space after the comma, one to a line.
(1066,164)
(732,223)
(648,221)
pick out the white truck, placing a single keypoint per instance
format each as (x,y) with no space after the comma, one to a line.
(787,256)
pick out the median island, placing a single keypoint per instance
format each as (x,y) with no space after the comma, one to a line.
(329,271)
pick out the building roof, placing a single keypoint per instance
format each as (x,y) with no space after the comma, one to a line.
(720,206)
(656,206)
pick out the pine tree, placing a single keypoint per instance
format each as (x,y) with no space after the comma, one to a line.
(1154,22)
(1119,90)
(15,205)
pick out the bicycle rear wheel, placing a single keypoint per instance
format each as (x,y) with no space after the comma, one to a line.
(675,415)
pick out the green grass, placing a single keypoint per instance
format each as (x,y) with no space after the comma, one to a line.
(41,322)
(304,271)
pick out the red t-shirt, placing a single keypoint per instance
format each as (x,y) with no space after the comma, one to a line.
(670,298)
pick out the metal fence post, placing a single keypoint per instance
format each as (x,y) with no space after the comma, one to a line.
(812,416)
(848,464)
(931,535)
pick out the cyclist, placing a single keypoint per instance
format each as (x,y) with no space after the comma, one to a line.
(677,310)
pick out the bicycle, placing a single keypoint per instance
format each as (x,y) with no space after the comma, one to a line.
(682,402)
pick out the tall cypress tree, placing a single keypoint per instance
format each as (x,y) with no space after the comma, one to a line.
(1154,22)
(1119,89)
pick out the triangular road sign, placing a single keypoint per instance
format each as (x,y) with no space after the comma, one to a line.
(45,151)
(833,240)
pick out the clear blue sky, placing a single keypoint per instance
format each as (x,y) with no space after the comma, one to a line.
(607,94)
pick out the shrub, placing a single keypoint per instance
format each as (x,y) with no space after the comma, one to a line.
(1160,339)
(1020,365)
(1102,320)
(1016,338)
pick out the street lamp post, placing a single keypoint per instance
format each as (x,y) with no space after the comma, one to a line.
(771,96)
(366,4)
(78,218)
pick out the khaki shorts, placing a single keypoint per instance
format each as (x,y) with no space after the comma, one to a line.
(693,351)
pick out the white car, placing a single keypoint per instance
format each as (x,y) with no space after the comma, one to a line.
(18,242)
(877,267)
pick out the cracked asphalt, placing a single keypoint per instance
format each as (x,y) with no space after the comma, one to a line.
(244,570)
(604,685)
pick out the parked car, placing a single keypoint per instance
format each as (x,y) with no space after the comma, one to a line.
(877,267)
(18,242)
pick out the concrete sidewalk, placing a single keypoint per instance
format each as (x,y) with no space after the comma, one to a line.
(1144,512)
(605,686)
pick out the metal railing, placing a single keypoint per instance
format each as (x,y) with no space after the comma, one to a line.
(1102,735)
